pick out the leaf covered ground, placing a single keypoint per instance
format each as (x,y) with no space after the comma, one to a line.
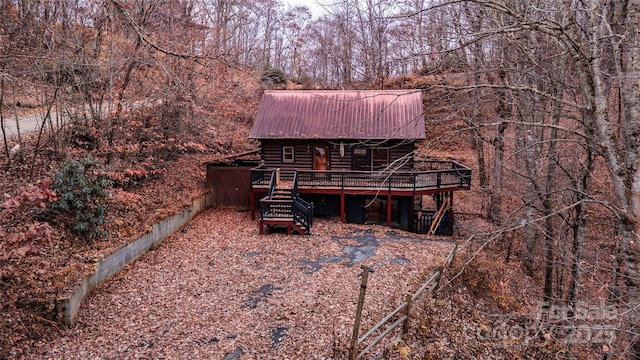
(41,259)
(218,288)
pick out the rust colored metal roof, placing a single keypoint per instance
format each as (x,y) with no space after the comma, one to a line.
(340,114)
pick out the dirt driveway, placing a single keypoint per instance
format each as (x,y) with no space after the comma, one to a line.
(218,290)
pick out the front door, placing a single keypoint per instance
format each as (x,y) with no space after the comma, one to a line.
(320,157)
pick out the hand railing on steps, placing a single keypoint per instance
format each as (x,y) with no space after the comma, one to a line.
(295,208)
(303,213)
(272,184)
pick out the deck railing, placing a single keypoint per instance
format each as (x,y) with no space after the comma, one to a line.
(294,187)
(303,213)
(276,208)
(428,175)
(292,208)
(272,183)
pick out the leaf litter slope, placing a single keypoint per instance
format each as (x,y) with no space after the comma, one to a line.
(217,288)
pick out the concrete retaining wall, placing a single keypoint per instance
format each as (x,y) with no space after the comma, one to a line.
(68,306)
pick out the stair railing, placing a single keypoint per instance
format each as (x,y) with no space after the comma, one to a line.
(294,187)
(302,210)
(438,217)
(272,184)
(276,208)
(266,203)
(303,213)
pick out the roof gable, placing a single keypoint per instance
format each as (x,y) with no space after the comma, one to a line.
(340,114)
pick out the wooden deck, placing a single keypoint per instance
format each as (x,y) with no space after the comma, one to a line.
(429,177)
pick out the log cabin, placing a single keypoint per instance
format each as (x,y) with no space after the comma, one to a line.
(349,153)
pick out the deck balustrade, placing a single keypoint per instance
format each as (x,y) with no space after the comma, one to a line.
(428,175)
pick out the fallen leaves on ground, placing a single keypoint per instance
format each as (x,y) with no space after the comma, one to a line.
(217,288)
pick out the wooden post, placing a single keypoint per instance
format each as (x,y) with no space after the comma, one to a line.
(445,266)
(353,349)
(407,312)
(451,215)
(277,177)
(389,209)
(342,213)
(253,204)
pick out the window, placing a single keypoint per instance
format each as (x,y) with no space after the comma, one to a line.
(379,159)
(288,154)
(369,159)
(360,160)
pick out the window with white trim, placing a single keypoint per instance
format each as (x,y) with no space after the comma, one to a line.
(288,154)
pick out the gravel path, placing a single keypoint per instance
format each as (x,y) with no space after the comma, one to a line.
(218,290)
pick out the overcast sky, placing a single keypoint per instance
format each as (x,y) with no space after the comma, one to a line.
(316,10)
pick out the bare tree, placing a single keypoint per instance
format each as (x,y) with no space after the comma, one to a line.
(598,44)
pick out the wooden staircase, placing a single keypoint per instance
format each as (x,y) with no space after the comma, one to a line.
(283,207)
(436,221)
(439,215)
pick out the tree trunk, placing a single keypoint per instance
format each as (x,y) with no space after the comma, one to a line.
(16,117)
(579,230)
(630,238)
(495,199)
(547,199)
(476,67)
(504,113)
(4,133)
(478,146)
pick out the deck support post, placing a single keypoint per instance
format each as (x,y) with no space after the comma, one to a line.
(342,213)
(412,213)
(452,220)
(252,200)
(389,209)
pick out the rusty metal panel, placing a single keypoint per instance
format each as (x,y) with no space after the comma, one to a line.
(340,114)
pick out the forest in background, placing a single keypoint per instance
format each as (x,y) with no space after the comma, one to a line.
(545,93)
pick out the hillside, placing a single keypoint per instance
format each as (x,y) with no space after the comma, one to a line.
(156,174)
(149,185)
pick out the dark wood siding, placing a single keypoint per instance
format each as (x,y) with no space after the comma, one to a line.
(272,153)
(230,185)
(399,151)
(340,162)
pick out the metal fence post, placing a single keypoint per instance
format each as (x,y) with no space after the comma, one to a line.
(353,349)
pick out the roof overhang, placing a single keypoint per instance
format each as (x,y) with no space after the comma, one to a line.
(340,115)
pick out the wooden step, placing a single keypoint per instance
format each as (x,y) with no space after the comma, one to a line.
(300,228)
(279,208)
(289,223)
(281,197)
(278,215)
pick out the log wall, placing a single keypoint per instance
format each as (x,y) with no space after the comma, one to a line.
(303,153)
